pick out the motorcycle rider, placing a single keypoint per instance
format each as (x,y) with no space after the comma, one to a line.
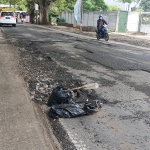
(100,25)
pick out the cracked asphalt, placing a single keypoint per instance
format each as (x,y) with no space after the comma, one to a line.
(50,57)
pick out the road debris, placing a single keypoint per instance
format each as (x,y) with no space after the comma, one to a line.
(63,105)
(87,86)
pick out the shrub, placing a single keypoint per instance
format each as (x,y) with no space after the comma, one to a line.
(61,20)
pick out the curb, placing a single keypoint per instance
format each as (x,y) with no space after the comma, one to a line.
(2,30)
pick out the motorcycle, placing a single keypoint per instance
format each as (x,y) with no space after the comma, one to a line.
(103,34)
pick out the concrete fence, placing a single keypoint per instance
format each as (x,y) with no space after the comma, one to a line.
(133,22)
(89,19)
(145,22)
(145,28)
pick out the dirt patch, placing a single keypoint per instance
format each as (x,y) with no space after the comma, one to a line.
(115,37)
(139,33)
(130,40)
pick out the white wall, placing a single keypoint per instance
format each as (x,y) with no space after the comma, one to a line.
(90,19)
(145,28)
(133,22)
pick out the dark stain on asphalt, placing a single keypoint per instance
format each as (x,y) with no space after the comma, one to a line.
(138,115)
(105,82)
(143,88)
(89,51)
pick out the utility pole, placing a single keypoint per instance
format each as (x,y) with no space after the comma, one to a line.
(36,8)
(81,9)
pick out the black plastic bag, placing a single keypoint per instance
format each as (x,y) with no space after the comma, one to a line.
(59,96)
(66,111)
(62,105)
(92,107)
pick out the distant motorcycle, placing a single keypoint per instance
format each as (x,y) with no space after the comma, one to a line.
(103,35)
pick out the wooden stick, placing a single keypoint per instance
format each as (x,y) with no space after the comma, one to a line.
(87,86)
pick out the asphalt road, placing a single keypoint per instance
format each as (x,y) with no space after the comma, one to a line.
(122,71)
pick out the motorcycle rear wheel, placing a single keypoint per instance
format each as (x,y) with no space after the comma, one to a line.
(106,37)
(98,37)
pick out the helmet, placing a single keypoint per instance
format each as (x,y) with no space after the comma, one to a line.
(100,15)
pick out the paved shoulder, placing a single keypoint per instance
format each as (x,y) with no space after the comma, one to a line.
(20,129)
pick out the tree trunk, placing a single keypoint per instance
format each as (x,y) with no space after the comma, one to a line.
(44,15)
(31,8)
(44,6)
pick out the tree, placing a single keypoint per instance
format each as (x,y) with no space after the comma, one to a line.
(44,6)
(113,8)
(57,7)
(88,5)
(12,2)
(69,5)
(94,5)
(145,5)
(136,3)
(2,2)
(18,4)
(126,1)
(31,9)
(22,5)
(138,10)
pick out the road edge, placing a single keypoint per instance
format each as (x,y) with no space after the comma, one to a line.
(42,118)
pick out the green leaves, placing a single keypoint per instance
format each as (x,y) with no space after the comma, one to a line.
(126,1)
(57,7)
(21,5)
(88,5)
(113,8)
(17,3)
(145,5)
